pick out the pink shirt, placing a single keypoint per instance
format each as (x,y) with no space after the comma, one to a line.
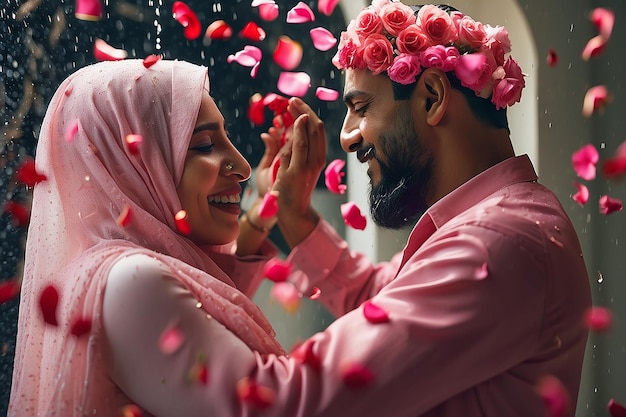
(487,298)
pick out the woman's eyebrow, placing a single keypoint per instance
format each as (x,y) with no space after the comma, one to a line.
(206,126)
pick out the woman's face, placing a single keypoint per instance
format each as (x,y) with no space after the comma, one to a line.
(209,189)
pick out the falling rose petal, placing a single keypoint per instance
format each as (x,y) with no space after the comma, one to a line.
(27,174)
(596,99)
(294,83)
(352,216)
(131,410)
(326,94)
(188,19)
(603,19)
(268,9)
(273,172)
(288,53)
(260,397)
(253,32)
(584,162)
(277,270)
(326,7)
(333,176)
(355,375)
(125,217)
(616,409)
(81,326)
(20,216)
(71,131)
(374,314)
(482,272)
(199,372)
(300,13)
(598,319)
(286,295)
(9,289)
(582,195)
(594,47)
(303,354)
(249,56)
(219,29)
(554,395)
(254,70)
(616,166)
(552,59)
(610,205)
(322,38)
(150,60)
(102,51)
(256,110)
(182,223)
(48,302)
(315,294)
(269,205)
(171,340)
(88,10)
(133,142)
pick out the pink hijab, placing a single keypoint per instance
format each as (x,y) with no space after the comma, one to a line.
(74,239)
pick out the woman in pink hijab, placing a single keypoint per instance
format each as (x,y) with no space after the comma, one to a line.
(105,216)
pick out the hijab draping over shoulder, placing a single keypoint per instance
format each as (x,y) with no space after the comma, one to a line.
(74,238)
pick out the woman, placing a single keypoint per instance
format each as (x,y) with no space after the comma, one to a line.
(106,215)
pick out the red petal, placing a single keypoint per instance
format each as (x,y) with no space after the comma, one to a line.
(582,195)
(356,375)
(603,19)
(269,205)
(374,314)
(316,293)
(19,213)
(552,59)
(294,83)
(131,410)
(71,131)
(277,270)
(554,395)
(300,13)
(584,162)
(268,11)
(614,167)
(610,205)
(171,340)
(48,302)
(102,51)
(188,19)
(125,217)
(199,373)
(253,32)
(9,289)
(81,326)
(333,176)
(274,169)
(27,174)
(133,142)
(616,409)
(88,10)
(288,53)
(218,30)
(256,110)
(286,295)
(598,319)
(303,354)
(352,216)
(150,60)
(256,395)
(182,224)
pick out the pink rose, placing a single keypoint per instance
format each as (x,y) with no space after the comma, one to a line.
(471,32)
(497,40)
(437,24)
(412,40)
(348,55)
(377,53)
(474,72)
(508,90)
(378,4)
(396,17)
(368,22)
(405,69)
(439,56)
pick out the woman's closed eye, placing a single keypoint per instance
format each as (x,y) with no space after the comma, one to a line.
(205,148)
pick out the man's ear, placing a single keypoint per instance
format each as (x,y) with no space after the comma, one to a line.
(435,88)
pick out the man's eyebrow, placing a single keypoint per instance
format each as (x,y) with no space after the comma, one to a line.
(207,126)
(351,95)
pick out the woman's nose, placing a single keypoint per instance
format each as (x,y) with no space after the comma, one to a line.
(237,165)
(350,136)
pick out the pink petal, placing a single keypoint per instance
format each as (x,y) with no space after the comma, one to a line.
(333,176)
(171,340)
(595,100)
(88,10)
(594,47)
(355,375)
(254,70)
(253,32)
(326,94)
(554,395)
(584,162)
(352,216)
(268,11)
(552,59)
(81,326)
(603,19)
(269,205)
(277,270)
(219,29)
(374,314)
(582,195)
(71,131)
(482,272)
(288,53)
(301,13)
(274,169)
(133,143)
(188,19)
(125,217)
(322,39)
(102,51)
(303,353)
(616,409)
(315,294)
(326,7)
(260,397)
(286,295)
(9,289)
(598,319)
(150,60)
(182,224)
(609,205)
(248,57)
(294,83)
(48,302)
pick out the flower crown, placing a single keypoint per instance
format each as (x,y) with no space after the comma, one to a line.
(389,36)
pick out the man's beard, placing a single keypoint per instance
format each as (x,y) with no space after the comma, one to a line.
(399,199)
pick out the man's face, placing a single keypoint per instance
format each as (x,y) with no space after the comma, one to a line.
(383,134)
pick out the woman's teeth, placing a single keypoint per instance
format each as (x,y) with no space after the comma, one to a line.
(234,198)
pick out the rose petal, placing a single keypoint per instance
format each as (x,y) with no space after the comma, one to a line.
(300,13)
(102,51)
(182,224)
(482,272)
(598,319)
(286,295)
(131,410)
(352,216)
(150,60)
(609,205)
(253,32)
(554,395)
(355,375)
(199,373)
(288,53)
(374,314)
(552,59)
(604,20)
(171,340)
(594,47)
(219,29)
(9,289)
(596,98)
(133,142)
(273,172)
(48,302)
(81,326)
(322,39)
(315,294)
(20,216)
(188,19)
(256,110)
(303,354)
(333,176)
(269,205)
(27,174)
(582,195)
(294,83)
(71,131)
(248,391)
(616,166)
(249,56)
(125,217)
(277,270)
(88,10)
(616,409)
(268,11)
(326,94)
(584,162)
(326,7)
